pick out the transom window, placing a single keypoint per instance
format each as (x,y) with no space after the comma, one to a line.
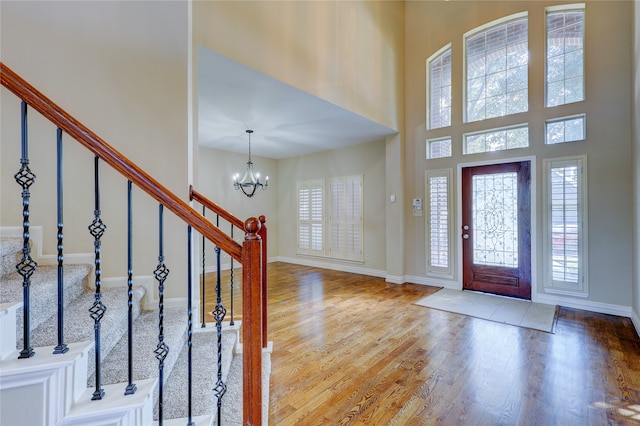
(497,70)
(496,139)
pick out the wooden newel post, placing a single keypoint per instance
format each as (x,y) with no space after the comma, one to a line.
(263,235)
(252,323)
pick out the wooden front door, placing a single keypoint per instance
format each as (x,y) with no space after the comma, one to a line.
(496,229)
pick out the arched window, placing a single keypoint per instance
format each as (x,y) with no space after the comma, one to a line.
(497,62)
(439,83)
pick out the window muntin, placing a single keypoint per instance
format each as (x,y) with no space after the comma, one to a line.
(439,84)
(496,140)
(497,70)
(438,215)
(311,217)
(567,129)
(346,226)
(565,219)
(439,148)
(565,55)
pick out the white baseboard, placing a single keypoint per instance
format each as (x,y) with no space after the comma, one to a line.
(434,282)
(635,318)
(335,266)
(394,279)
(236,265)
(587,305)
(36,237)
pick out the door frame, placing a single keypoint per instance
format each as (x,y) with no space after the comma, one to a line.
(534,222)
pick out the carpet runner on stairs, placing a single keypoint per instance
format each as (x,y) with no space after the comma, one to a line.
(79,297)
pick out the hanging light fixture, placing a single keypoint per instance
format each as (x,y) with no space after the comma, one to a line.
(250,183)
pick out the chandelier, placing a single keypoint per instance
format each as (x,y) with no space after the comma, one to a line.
(250,183)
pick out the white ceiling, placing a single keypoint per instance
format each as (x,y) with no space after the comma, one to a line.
(286,121)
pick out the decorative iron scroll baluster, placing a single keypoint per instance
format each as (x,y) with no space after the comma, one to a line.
(190,421)
(162,349)
(98,309)
(204,280)
(231,323)
(131,387)
(27,266)
(61,347)
(218,314)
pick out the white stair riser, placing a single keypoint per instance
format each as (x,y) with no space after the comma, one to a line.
(42,390)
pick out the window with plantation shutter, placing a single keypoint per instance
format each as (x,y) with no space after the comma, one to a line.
(311,217)
(565,223)
(345,221)
(438,206)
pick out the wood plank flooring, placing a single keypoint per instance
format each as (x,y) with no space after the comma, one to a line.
(353,350)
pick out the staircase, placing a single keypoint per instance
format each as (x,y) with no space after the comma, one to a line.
(76,334)
(52,389)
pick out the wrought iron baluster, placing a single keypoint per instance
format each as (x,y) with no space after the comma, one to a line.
(131,387)
(27,266)
(61,347)
(204,280)
(162,349)
(189,329)
(97,311)
(218,314)
(231,322)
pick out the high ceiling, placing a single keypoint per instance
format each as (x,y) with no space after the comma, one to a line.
(286,121)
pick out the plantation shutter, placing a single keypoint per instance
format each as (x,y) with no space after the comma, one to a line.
(310,217)
(346,225)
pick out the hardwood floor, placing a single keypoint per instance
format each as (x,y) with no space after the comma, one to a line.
(353,350)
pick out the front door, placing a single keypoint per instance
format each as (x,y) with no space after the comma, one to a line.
(496,229)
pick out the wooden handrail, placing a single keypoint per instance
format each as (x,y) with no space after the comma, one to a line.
(215,208)
(115,159)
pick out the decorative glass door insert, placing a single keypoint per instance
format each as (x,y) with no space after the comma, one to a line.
(495,219)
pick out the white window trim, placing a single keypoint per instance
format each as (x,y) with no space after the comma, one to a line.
(569,117)
(582,287)
(313,183)
(428,100)
(471,33)
(437,271)
(444,138)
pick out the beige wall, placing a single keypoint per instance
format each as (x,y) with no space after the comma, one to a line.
(365,159)
(214,181)
(636,162)
(608,144)
(121,69)
(345,52)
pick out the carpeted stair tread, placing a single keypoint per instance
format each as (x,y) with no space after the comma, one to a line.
(205,374)
(78,325)
(10,249)
(44,291)
(232,407)
(145,341)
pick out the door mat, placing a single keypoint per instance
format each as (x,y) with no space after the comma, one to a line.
(506,310)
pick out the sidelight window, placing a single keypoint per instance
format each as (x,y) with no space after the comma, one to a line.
(565,223)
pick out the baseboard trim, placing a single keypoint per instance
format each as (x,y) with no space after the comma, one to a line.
(335,266)
(236,265)
(587,305)
(434,282)
(635,319)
